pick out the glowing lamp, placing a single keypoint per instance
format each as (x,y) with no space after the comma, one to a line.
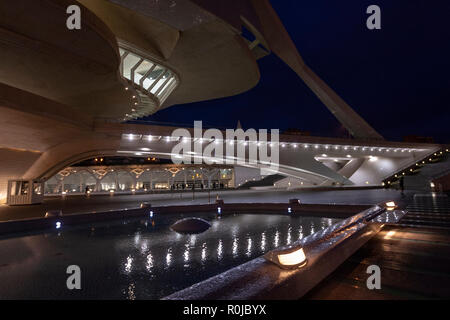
(58,225)
(291,258)
(219,210)
(289,210)
(151,214)
(391,205)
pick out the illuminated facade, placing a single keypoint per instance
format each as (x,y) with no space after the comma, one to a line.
(139,178)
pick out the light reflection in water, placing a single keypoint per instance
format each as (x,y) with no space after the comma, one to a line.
(277,239)
(220,250)
(249,247)
(234,230)
(300,233)
(193,239)
(288,239)
(149,265)
(144,247)
(204,252)
(235,240)
(131,292)
(263,241)
(128,264)
(169,257)
(186,254)
(137,237)
(235,246)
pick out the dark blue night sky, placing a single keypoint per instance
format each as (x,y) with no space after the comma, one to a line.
(397,78)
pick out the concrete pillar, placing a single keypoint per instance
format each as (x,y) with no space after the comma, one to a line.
(151,180)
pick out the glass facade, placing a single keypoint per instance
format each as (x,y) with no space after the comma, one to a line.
(151,77)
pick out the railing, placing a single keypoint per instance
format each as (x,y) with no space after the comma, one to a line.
(404,170)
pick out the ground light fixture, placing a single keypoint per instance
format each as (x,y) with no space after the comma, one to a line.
(391,205)
(290,258)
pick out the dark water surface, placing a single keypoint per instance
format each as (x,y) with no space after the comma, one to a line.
(138,259)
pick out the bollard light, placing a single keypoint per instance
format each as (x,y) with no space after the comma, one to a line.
(391,205)
(291,258)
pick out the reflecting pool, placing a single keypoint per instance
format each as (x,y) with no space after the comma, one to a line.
(140,258)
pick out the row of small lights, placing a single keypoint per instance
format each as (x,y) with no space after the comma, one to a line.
(150,138)
(417,164)
(134,103)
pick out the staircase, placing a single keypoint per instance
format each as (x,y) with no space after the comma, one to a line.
(429,210)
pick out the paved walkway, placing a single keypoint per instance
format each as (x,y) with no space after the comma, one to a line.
(414,264)
(82,204)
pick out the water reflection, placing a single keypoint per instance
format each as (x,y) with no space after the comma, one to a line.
(204,252)
(276,239)
(288,239)
(169,257)
(156,261)
(263,241)
(235,247)
(131,292)
(128,264)
(186,254)
(220,250)
(249,247)
(300,233)
(149,265)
